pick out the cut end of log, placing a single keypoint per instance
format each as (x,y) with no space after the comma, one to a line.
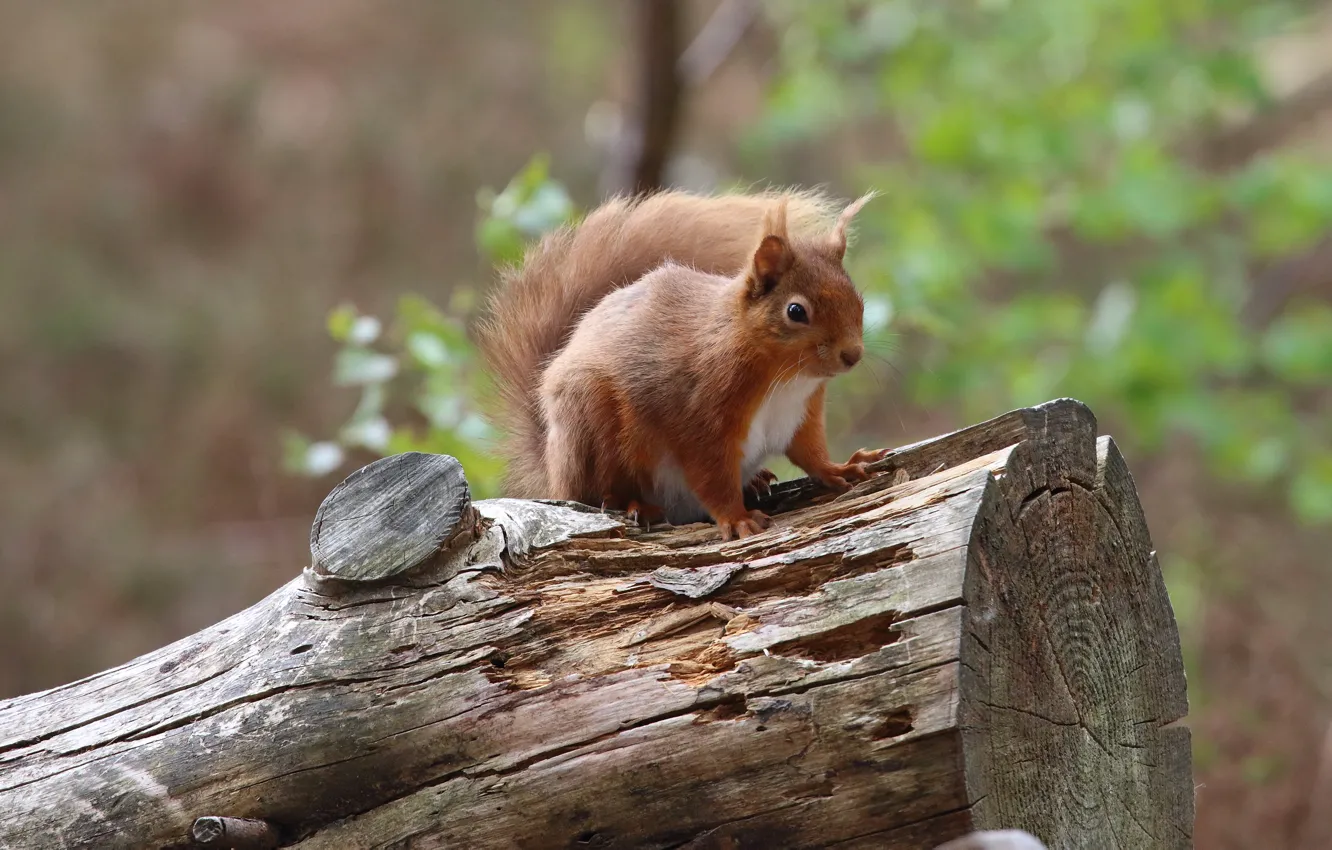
(389,517)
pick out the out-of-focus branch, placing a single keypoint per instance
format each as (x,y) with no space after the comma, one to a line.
(1318,824)
(711,47)
(1284,279)
(660,90)
(1268,128)
(665,72)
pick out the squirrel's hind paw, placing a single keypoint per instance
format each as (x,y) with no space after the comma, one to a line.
(636,512)
(644,514)
(746,526)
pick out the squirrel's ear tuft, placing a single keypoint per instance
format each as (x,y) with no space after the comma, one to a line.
(774,220)
(837,240)
(773,257)
(771,261)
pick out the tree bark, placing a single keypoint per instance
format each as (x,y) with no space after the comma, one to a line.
(977,638)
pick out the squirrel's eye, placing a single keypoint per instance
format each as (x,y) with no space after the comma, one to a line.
(796,313)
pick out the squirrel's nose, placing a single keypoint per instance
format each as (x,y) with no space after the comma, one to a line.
(851,356)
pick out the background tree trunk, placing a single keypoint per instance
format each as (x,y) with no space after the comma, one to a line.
(978,638)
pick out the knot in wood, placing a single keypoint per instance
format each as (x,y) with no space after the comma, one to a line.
(389,517)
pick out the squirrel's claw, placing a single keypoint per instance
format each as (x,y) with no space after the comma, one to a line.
(761,483)
(746,526)
(636,512)
(641,513)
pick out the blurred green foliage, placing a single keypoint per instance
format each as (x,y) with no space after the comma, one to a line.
(423,367)
(1046,230)
(1043,230)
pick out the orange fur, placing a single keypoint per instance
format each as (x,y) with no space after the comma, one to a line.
(648,354)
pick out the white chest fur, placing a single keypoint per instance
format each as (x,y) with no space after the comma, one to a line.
(770,432)
(776,422)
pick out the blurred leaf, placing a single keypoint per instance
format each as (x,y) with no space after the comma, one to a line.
(878,313)
(442,409)
(295,446)
(363,366)
(371,404)
(442,381)
(1298,346)
(303,457)
(1267,458)
(363,331)
(500,240)
(547,207)
(1110,317)
(1311,489)
(417,314)
(529,206)
(371,432)
(340,323)
(1043,229)
(428,349)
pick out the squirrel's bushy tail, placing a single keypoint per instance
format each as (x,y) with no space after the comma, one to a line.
(536,306)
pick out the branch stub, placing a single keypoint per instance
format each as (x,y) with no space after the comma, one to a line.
(389,517)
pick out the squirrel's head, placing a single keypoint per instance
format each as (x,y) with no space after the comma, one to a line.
(803,297)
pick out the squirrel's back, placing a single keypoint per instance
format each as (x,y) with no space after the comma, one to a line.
(534,309)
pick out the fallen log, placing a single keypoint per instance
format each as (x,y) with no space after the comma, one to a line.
(977,638)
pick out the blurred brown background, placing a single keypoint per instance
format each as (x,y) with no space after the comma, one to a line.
(186,190)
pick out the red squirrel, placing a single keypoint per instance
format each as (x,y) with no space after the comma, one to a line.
(652,357)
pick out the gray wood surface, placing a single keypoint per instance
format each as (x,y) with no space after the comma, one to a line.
(976,639)
(389,517)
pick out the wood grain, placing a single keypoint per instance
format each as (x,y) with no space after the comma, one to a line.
(986,645)
(389,517)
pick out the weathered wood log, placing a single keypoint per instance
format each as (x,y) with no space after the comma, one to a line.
(978,638)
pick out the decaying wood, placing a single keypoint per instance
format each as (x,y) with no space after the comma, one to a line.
(978,638)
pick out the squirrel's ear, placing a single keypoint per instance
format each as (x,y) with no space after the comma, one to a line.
(771,261)
(773,257)
(838,238)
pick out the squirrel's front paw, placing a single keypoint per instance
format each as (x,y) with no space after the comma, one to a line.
(838,476)
(745,526)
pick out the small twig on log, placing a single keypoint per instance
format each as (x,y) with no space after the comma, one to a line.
(235,833)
